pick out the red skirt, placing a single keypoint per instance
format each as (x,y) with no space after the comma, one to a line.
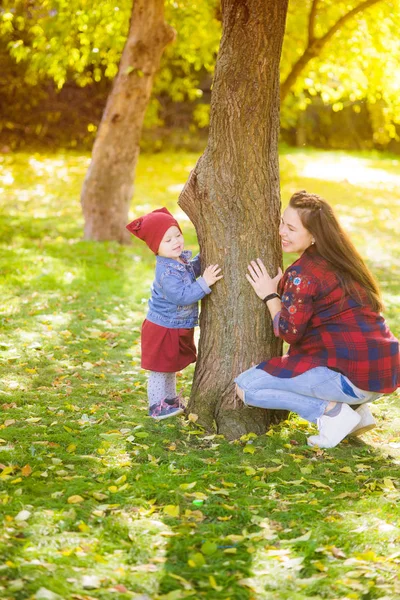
(166,350)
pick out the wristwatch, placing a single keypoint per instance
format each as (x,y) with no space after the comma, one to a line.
(270,297)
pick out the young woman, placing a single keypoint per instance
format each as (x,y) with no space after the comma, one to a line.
(328,309)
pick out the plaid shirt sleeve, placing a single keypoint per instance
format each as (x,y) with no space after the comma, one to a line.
(297,306)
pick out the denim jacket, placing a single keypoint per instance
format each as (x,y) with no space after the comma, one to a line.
(176,291)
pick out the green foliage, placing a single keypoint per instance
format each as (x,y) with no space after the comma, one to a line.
(82,42)
(99,501)
(360,63)
(63,40)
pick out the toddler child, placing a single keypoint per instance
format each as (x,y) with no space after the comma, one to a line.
(167,336)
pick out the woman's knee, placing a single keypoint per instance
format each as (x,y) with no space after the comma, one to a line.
(239,393)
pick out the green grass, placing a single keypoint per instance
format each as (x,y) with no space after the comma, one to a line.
(164,510)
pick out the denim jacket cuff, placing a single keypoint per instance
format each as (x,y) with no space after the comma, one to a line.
(202,283)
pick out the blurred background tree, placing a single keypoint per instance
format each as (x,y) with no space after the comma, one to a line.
(67,54)
(347,93)
(58,60)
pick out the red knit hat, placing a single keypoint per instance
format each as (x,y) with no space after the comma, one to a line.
(152,227)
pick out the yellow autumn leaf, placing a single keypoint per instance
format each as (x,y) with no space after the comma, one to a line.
(113,489)
(5,472)
(235,538)
(171,510)
(71,448)
(249,449)
(250,471)
(214,585)
(196,560)
(319,484)
(348,495)
(194,515)
(369,555)
(75,499)
(193,417)
(188,486)
(248,436)
(388,483)
(346,470)
(99,495)
(197,495)
(273,469)
(26,471)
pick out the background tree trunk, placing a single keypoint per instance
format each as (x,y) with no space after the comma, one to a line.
(108,186)
(233,198)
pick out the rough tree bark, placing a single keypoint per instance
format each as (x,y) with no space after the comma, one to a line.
(108,186)
(233,198)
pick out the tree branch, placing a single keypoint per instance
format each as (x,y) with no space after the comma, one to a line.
(340,22)
(311,21)
(315,45)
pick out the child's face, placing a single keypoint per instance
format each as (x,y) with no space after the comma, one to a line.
(172,243)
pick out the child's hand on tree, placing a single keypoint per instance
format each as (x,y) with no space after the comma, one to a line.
(211,274)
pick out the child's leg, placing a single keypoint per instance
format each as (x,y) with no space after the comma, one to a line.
(156,387)
(159,388)
(170,385)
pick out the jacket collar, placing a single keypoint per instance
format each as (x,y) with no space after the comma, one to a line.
(171,262)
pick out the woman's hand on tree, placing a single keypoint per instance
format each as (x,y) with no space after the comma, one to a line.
(212,274)
(262,283)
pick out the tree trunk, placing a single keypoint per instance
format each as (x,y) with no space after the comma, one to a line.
(233,198)
(108,186)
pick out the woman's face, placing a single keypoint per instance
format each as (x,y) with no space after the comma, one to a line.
(294,236)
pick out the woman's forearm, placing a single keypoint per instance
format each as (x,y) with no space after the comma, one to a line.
(274,306)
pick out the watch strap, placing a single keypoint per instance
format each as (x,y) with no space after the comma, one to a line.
(271,296)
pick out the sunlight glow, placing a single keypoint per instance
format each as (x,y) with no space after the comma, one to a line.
(351,170)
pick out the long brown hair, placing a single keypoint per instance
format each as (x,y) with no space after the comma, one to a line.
(333,244)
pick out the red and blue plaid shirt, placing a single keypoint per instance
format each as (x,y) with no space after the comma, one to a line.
(326,327)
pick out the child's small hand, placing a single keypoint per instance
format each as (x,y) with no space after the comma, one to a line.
(211,274)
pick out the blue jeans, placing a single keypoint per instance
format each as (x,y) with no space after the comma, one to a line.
(307,394)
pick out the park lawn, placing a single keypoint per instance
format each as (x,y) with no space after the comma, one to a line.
(99,501)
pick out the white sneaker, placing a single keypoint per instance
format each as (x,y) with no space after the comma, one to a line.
(367,421)
(333,429)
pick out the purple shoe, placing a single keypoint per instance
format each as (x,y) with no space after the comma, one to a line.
(164,411)
(175,402)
